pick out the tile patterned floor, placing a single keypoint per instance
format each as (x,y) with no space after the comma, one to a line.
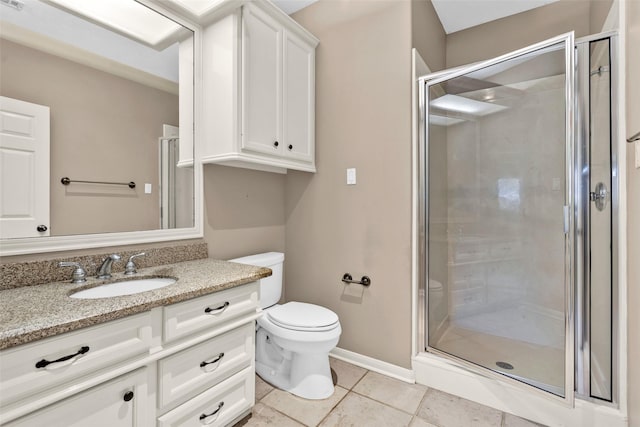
(367,399)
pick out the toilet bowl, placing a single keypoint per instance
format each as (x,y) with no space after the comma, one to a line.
(293,340)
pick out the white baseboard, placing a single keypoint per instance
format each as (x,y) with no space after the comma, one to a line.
(434,371)
(375,365)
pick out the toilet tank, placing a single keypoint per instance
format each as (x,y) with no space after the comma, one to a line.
(270,287)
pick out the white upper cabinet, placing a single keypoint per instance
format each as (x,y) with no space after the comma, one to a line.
(298,98)
(259,84)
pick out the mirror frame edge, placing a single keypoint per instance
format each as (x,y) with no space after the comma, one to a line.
(22,246)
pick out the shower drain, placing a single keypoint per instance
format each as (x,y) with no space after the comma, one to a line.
(504,365)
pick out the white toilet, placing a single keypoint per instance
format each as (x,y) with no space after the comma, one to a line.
(293,340)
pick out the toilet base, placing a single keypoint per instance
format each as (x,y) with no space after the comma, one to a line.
(309,376)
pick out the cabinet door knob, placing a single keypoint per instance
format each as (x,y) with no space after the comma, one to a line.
(275,144)
(42,228)
(128,396)
(290,147)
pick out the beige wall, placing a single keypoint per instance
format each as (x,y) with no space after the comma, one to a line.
(427,34)
(243,212)
(514,32)
(633,210)
(363,120)
(599,10)
(103,128)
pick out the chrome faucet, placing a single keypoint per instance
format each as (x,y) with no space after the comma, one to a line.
(79,274)
(130,268)
(104,272)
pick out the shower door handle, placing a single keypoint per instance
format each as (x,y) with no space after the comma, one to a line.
(599,196)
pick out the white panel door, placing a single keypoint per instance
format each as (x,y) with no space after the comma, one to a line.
(298,98)
(261,82)
(122,402)
(24,169)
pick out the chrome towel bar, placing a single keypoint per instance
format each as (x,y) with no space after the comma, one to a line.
(365,281)
(66,181)
(635,137)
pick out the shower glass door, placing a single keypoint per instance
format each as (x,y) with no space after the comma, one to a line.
(499,215)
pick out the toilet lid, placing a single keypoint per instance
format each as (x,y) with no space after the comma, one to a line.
(303,316)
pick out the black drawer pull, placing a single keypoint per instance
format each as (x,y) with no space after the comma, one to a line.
(217,310)
(290,147)
(128,396)
(203,417)
(217,359)
(43,363)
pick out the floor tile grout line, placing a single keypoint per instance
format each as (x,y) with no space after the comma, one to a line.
(282,413)
(294,419)
(386,404)
(334,407)
(260,400)
(361,378)
(421,402)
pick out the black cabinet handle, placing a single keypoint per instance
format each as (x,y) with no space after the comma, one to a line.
(43,363)
(217,310)
(275,144)
(42,228)
(203,417)
(128,396)
(217,359)
(290,146)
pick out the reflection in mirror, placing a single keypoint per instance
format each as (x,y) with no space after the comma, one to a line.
(97,97)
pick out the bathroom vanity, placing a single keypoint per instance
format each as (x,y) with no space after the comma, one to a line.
(180,355)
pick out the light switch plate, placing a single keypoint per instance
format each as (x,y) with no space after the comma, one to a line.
(147,188)
(351,176)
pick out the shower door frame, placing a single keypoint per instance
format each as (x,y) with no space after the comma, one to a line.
(424,83)
(583,235)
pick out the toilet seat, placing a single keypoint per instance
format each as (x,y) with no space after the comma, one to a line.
(299,316)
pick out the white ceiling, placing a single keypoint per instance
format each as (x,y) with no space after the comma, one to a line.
(455,15)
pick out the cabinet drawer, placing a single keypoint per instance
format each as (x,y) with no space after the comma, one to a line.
(206,312)
(101,406)
(196,369)
(217,406)
(30,368)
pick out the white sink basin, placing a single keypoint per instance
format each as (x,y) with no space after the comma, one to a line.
(127,287)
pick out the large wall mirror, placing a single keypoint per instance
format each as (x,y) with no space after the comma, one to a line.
(97,125)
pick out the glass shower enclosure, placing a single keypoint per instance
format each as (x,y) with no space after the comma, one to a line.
(518,193)
(498,215)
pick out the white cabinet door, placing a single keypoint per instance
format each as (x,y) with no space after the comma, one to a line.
(123,402)
(298,98)
(261,82)
(24,169)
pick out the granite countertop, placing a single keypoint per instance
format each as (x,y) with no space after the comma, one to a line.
(30,313)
